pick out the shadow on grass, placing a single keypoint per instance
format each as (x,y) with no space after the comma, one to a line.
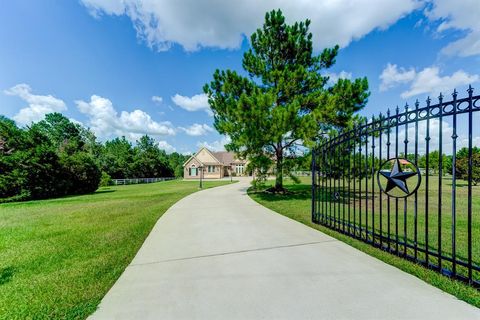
(296,192)
(103,191)
(6,275)
(304,192)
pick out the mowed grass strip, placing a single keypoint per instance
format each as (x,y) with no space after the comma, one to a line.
(297,206)
(59,257)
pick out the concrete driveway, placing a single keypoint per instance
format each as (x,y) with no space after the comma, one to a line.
(217,254)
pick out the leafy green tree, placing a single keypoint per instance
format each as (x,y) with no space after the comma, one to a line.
(29,163)
(45,160)
(81,173)
(117,158)
(60,131)
(176,161)
(105,179)
(434,162)
(284,100)
(462,168)
(149,160)
(463,153)
(260,167)
(12,156)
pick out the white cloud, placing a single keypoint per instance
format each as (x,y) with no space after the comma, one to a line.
(164,145)
(392,76)
(38,105)
(458,15)
(428,81)
(96,8)
(195,103)
(105,121)
(194,24)
(217,145)
(197,129)
(157,99)
(333,77)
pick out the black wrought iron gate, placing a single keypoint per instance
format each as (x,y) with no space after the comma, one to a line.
(406,183)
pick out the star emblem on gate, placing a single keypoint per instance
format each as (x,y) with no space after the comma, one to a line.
(397,178)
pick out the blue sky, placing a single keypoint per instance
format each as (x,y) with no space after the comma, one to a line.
(138,66)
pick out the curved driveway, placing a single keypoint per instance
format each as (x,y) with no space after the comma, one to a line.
(217,254)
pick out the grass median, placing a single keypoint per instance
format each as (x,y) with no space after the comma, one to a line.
(59,257)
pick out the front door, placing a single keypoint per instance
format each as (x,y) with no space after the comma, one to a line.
(193,172)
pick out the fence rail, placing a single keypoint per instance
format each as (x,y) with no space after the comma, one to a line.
(367,183)
(139,180)
(302,173)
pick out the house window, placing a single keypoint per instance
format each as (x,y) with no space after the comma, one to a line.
(211,169)
(239,169)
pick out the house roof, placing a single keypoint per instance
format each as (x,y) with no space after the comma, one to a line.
(189,159)
(226,157)
(223,157)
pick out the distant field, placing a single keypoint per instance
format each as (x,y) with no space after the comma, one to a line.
(297,206)
(59,257)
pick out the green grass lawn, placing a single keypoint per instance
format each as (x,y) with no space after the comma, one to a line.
(59,257)
(297,206)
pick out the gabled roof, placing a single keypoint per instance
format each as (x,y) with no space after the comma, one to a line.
(195,157)
(192,157)
(222,157)
(210,152)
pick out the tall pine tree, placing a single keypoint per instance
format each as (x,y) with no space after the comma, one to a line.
(284,101)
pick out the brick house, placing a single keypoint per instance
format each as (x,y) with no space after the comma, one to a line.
(215,165)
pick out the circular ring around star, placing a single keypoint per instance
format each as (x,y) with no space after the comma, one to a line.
(398,177)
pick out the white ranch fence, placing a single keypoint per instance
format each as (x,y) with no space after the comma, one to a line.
(117,182)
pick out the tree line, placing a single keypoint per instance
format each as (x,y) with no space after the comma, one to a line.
(56,157)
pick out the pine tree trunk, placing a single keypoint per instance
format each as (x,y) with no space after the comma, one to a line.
(279,173)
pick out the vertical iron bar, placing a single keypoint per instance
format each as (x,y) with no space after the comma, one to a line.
(334,162)
(330,183)
(373,180)
(331,159)
(324,184)
(396,199)
(470,164)
(379,190)
(427,168)
(440,171)
(319,186)
(337,152)
(349,180)
(313,186)
(415,214)
(405,141)
(339,182)
(343,185)
(388,198)
(360,182)
(454,186)
(339,205)
(366,180)
(355,182)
